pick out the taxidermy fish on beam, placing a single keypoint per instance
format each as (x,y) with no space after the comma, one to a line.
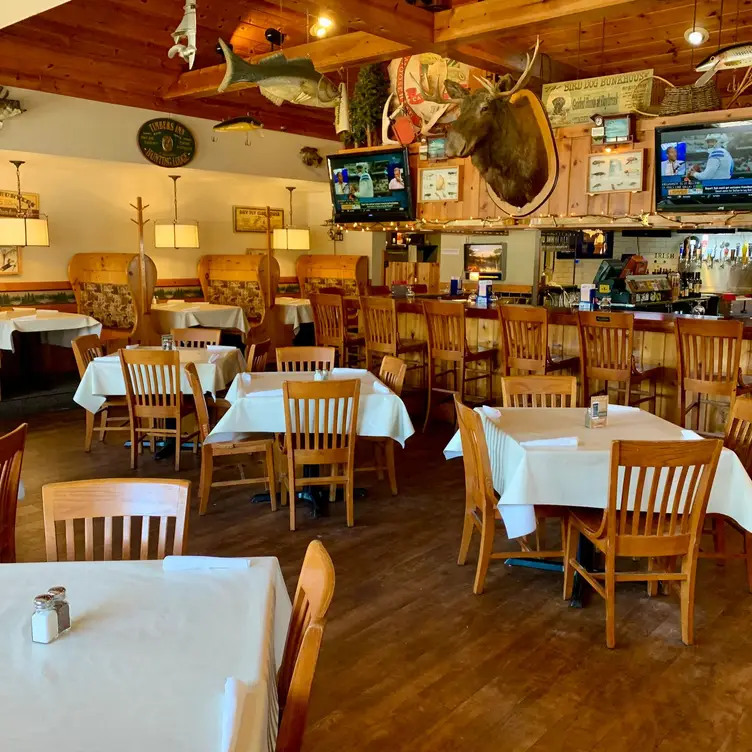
(9,108)
(507,134)
(186,29)
(281,80)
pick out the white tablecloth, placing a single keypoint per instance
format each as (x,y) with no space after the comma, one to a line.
(144,664)
(578,476)
(55,327)
(183,315)
(258,406)
(294,312)
(216,367)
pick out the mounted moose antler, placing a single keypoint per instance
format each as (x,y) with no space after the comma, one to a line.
(508,135)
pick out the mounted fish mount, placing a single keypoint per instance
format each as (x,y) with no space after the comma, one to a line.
(310,157)
(507,134)
(186,29)
(281,80)
(244,124)
(9,108)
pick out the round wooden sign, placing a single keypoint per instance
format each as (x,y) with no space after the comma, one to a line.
(166,142)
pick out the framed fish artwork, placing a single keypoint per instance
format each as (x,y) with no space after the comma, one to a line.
(253,218)
(10,260)
(616,172)
(440,184)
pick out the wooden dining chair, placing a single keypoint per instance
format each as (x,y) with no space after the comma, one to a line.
(606,354)
(539,391)
(392,373)
(738,438)
(12,447)
(524,337)
(707,365)
(291,359)
(481,512)
(256,356)
(321,420)
(85,349)
(382,334)
(331,327)
(313,597)
(447,343)
(195,337)
(650,514)
(121,499)
(255,448)
(153,393)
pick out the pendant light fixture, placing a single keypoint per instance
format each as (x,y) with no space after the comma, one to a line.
(169,233)
(290,238)
(22,228)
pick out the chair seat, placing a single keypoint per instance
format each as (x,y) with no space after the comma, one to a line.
(114,402)
(560,363)
(588,521)
(411,345)
(354,339)
(651,374)
(479,353)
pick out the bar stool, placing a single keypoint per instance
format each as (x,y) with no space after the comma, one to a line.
(382,334)
(606,341)
(447,341)
(707,365)
(330,325)
(524,336)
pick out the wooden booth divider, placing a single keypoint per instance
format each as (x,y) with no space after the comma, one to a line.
(414,273)
(320,271)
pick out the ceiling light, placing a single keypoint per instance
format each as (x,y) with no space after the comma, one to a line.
(169,233)
(696,36)
(322,27)
(25,226)
(290,238)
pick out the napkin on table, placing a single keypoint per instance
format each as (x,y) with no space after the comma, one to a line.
(183,563)
(564,441)
(381,388)
(688,435)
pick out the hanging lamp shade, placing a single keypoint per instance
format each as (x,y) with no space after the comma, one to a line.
(21,229)
(174,233)
(291,239)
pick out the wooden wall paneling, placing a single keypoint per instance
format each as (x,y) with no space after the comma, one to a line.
(578,198)
(558,203)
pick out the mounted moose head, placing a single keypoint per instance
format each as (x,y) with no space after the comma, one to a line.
(507,133)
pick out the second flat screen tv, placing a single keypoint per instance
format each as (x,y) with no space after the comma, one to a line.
(371,186)
(704,167)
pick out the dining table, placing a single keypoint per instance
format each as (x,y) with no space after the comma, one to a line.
(545,456)
(293,312)
(216,365)
(54,327)
(180,654)
(179,314)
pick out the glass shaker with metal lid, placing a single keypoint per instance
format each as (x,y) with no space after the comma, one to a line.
(44,620)
(62,609)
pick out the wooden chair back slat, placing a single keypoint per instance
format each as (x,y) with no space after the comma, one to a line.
(305,358)
(445,325)
(680,473)
(107,499)
(524,332)
(313,597)
(199,400)
(392,373)
(256,355)
(380,324)
(328,319)
(479,492)
(12,447)
(195,337)
(85,349)
(152,382)
(738,436)
(708,355)
(539,391)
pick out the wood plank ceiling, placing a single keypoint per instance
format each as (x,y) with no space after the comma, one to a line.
(115,50)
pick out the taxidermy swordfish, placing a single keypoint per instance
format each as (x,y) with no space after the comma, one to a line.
(281,80)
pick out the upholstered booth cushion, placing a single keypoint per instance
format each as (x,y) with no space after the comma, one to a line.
(110,304)
(314,284)
(241,293)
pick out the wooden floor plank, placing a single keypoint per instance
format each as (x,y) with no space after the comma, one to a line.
(412,660)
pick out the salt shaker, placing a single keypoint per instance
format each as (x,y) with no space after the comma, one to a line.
(62,609)
(44,620)
(318,375)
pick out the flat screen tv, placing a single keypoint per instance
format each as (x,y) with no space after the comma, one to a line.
(371,186)
(704,167)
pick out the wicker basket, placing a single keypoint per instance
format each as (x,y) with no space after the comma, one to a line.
(685,100)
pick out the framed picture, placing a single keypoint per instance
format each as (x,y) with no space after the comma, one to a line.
(10,260)
(253,218)
(617,172)
(440,184)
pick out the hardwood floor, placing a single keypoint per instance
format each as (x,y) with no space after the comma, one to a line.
(412,660)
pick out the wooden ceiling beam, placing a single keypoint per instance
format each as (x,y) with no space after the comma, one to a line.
(469,23)
(544,70)
(331,54)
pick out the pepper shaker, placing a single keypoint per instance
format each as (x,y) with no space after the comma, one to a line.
(62,609)
(44,620)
